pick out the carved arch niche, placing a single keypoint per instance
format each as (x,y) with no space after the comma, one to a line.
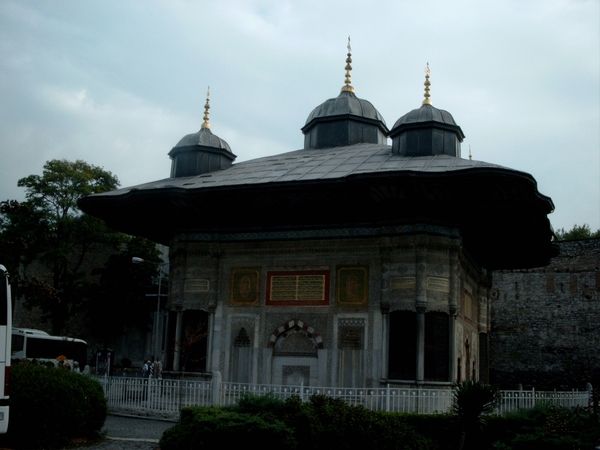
(351,353)
(242,342)
(295,347)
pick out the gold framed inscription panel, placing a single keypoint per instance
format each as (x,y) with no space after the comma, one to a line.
(352,286)
(244,287)
(298,288)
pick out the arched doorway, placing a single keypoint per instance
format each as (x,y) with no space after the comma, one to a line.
(295,354)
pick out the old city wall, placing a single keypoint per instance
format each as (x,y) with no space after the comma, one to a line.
(545,326)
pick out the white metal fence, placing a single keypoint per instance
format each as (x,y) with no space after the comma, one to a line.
(154,397)
(165,398)
(513,400)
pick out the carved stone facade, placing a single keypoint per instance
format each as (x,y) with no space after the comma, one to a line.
(333,312)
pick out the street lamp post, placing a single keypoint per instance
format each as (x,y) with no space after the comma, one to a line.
(137,260)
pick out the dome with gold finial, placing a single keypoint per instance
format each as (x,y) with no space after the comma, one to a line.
(426,130)
(344,120)
(200,152)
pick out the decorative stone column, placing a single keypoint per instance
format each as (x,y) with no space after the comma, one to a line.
(421,307)
(421,343)
(385,339)
(178,338)
(209,340)
(452,353)
(453,310)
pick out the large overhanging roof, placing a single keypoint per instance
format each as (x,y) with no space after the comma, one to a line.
(501,216)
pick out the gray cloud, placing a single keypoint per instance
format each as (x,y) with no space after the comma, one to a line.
(119,83)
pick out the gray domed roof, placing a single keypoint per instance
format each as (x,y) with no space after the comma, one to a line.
(426,113)
(347,103)
(426,131)
(200,153)
(204,138)
(342,121)
(345,120)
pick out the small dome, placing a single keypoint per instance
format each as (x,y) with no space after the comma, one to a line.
(426,113)
(426,131)
(200,152)
(344,104)
(204,138)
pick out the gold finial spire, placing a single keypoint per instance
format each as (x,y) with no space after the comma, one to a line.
(205,124)
(347,86)
(427,101)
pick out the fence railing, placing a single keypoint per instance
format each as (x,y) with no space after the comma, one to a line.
(165,398)
(154,397)
(513,400)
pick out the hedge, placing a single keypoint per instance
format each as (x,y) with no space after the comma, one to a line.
(325,423)
(50,407)
(321,423)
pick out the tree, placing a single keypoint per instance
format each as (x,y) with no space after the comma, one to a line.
(473,402)
(51,230)
(118,299)
(17,224)
(577,232)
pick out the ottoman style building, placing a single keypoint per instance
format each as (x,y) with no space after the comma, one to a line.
(347,263)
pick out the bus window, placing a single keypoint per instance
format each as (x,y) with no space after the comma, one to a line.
(18,342)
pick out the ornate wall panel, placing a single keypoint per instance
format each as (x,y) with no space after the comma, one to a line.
(244,289)
(352,286)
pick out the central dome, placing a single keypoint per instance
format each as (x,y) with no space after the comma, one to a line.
(347,103)
(344,120)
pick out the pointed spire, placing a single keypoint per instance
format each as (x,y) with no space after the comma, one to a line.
(347,86)
(427,101)
(470,156)
(205,124)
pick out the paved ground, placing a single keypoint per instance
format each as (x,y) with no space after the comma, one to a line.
(128,433)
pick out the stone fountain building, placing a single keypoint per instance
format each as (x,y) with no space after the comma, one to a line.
(349,262)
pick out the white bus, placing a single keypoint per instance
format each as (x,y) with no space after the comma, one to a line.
(36,344)
(5,345)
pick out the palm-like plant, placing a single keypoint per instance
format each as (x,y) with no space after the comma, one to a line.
(472,402)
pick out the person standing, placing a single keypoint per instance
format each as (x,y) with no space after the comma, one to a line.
(145,369)
(159,369)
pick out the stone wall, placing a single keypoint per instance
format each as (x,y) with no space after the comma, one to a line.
(545,326)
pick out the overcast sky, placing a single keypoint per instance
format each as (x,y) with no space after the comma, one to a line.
(119,83)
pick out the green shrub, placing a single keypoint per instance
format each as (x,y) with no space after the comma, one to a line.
(442,430)
(549,427)
(321,423)
(49,407)
(218,428)
(325,422)
(260,404)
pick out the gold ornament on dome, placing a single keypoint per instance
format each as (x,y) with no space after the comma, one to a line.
(427,100)
(347,86)
(205,124)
